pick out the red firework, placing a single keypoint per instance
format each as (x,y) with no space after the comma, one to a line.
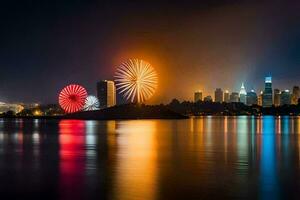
(72,98)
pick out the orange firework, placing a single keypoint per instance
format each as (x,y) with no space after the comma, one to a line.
(136,80)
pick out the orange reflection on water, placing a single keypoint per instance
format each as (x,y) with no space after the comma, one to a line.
(298,136)
(278,125)
(136,160)
(196,125)
(292,125)
(199,130)
(259,125)
(195,135)
(298,125)
(192,124)
(225,137)
(111,126)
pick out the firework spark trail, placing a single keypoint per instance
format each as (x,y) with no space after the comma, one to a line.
(136,80)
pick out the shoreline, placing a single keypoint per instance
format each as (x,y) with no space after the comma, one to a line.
(137,118)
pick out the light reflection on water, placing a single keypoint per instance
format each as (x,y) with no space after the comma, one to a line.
(205,157)
(136,165)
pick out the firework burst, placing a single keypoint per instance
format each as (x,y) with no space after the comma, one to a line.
(91,103)
(136,80)
(72,98)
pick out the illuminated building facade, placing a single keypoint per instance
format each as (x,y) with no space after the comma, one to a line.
(197,96)
(219,95)
(259,98)
(31,105)
(5,107)
(243,94)
(234,97)
(267,98)
(106,93)
(226,96)
(276,97)
(251,98)
(285,97)
(295,95)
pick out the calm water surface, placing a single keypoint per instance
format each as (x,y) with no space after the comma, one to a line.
(199,158)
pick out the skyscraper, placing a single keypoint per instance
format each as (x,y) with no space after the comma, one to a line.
(106,93)
(295,95)
(219,95)
(197,96)
(267,99)
(234,97)
(243,94)
(259,98)
(276,97)
(251,98)
(285,97)
(226,96)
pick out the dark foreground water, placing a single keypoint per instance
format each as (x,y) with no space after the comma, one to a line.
(200,158)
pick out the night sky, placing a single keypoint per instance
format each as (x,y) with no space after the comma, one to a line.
(45,45)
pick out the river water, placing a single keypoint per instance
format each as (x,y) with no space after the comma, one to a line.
(198,158)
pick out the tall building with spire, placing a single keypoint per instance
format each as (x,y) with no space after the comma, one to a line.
(267,100)
(243,94)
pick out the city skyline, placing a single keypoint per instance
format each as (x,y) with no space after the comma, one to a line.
(267,97)
(47,45)
(198,94)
